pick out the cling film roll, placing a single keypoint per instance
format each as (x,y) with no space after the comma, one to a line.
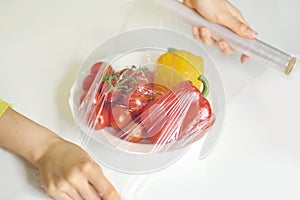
(254,48)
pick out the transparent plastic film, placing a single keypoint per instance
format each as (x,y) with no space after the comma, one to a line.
(135,108)
(144,97)
(172,14)
(141,112)
(254,48)
(234,75)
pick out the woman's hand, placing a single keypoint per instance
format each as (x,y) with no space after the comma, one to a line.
(223,13)
(67,172)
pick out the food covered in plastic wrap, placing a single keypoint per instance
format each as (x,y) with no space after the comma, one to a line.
(158,104)
(138,104)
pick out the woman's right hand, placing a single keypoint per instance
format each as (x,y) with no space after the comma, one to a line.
(224,13)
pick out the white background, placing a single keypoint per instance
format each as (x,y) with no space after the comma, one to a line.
(43,43)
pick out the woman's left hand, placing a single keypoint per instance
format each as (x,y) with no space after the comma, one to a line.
(67,172)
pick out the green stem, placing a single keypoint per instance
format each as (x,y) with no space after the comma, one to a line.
(205,84)
(171,49)
(123,80)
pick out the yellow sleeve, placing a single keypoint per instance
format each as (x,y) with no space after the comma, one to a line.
(3,106)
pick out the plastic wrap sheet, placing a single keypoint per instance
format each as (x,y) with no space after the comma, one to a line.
(123,75)
(172,14)
(139,104)
(136,115)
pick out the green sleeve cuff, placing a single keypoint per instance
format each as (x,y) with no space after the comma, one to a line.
(3,106)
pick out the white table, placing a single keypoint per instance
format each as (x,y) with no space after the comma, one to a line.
(42,45)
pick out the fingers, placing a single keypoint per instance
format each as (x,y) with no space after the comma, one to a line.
(244,58)
(63,191)
(81,183)
(88,191)
(61,196)
(233,19)
(81,190)
(225,47)
(237,24)
(96,186)
(203,34)
(224,13)
(103,186)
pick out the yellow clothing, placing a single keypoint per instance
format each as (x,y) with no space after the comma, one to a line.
(3,106)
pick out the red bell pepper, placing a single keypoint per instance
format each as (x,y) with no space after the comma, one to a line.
(181,113)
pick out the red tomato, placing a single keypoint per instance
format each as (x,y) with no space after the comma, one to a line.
(144,74)
(100,65)
(135,133)
(126,71)
(103,91)
(95,68)
(142,84)
(112,96)
(98,118)
(87,82)
(124,79)
(158,90)
(119,116)
(151,91)
(97,98)
(135,101)
(82,97)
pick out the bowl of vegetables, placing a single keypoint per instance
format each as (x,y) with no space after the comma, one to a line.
(143,97)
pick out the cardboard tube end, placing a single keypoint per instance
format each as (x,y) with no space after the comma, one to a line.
(290,65)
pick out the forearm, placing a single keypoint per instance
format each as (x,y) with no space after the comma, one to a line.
(24,137)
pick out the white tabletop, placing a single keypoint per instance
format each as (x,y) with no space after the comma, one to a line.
(42,45)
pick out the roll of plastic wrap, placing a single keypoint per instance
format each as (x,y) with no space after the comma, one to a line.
(253,48)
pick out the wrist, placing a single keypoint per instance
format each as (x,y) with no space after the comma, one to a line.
(45,146)
(25,137)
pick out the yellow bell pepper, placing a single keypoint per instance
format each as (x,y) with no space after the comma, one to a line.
(187,65)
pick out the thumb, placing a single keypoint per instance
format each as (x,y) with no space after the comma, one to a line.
(237,24)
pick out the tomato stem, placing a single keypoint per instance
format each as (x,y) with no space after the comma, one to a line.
(119,84)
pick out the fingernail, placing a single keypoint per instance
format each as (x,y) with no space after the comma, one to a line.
(222,46)
(244,58)
(251,33)
(203,33)
(196,33)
